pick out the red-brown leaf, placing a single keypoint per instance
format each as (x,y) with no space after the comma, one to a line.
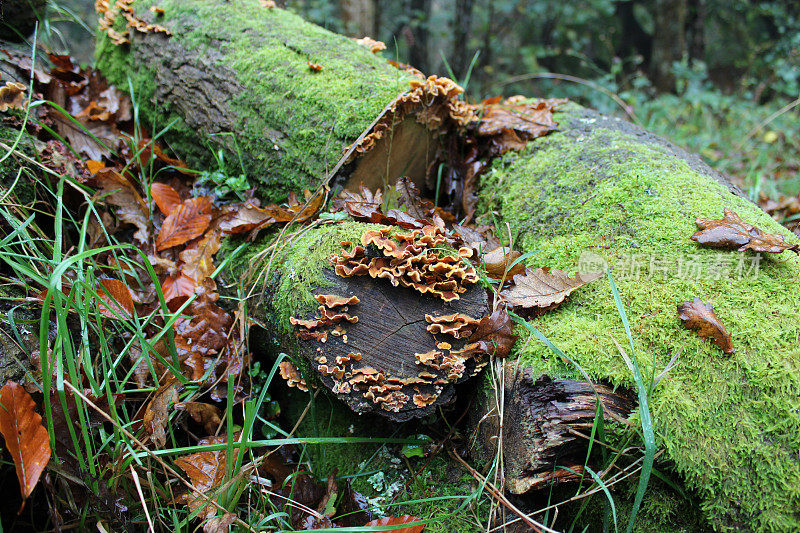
(115,299)
(198,259)
(700,317)
(26,438)
(185,223)
(734,233)
(203,413)
(397,521)
(206,471)
(174,288)
(498,263)
(167,199)
(494,334)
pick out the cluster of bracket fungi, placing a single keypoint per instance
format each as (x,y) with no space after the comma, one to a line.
(414,260)
(409,260)
(109,12)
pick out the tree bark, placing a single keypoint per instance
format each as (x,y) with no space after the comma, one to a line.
(669,42)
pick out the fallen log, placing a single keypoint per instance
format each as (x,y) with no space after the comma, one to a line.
(598,193)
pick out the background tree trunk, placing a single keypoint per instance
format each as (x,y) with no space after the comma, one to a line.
(669,41)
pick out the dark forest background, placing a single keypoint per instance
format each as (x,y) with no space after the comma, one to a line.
(719,77)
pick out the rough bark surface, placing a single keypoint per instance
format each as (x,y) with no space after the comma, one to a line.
(546,424)
(245,86)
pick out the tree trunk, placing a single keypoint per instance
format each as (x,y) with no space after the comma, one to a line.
(669,42)
(462,25)
(360,18)
(600,192)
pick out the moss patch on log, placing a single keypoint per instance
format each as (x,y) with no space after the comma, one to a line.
(246,83)
(603,194)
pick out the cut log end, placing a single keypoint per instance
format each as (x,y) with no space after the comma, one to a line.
(381,357)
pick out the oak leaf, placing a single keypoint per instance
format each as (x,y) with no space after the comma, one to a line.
(397,521)
(544,288)
(734,233)
(416,206)
(700,317)
(26,438)
(115,298)
(184,223)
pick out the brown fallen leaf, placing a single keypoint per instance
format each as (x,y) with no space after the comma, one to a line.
(184,223)
(498,263)
(26,438)
(130,207)
(12,96)
(203,413)
(494,334)
(206,471)
(115,299)
(167,198)
(365,206)
(544,288)
(198,257)
(734,233)
(416,206)
(176,287)
(698,316)
(219,524)
(156,414)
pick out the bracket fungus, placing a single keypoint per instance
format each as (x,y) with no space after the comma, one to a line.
(417,303)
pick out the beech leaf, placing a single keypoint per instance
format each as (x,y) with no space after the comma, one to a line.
(206,471)
(26,438)
(167,198)
(734,233)
(156,413)
(115,299)
(494,334)
(184,223)
(397,521)
(698,316)
(122,194)
(544,288)
(499,260)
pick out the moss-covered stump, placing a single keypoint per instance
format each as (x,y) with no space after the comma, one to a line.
(379,339)
(235,76)
(602,192)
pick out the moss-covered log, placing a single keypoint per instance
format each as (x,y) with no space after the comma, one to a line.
(604,193)
(235,76)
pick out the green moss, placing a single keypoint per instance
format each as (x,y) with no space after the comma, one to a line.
(291,124)
(731,423)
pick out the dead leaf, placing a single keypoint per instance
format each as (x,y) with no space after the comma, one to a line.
(397,521)
(698,316)
(206,471)
(219,524)
(498,262)
(732,232)
(130,208)
(167,198)
(203,413)
(177,287)
(544,288)
(239,218)
(198,257)
(515,119)
(115,299)
(12,96)
(352,507)
(156,414)
(410,197)
(26,438)
(365,206)
(186,222)
(493,335)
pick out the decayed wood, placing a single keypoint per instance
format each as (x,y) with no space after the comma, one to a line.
(546,423)
(390,330)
